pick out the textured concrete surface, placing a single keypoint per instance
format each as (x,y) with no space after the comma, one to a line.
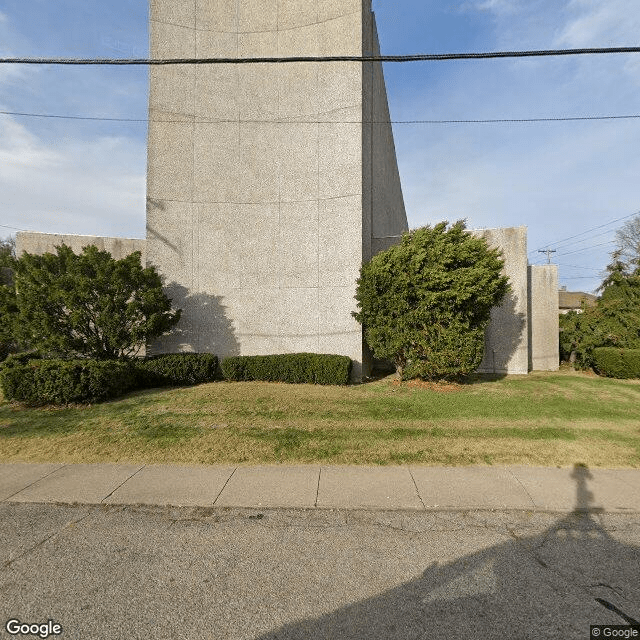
(271,486)
(266,182)
(15,477)
(173,485)
(326,486)
(39,243)
(368,488)
(232,574)
(86,483)
(507,339)
(544,324)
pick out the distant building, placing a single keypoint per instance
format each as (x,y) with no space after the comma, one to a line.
(572,300)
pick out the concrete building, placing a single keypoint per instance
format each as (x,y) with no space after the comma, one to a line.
(268,186)
(573,300)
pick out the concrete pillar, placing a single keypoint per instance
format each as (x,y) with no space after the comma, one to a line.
(544,348)
(507,338)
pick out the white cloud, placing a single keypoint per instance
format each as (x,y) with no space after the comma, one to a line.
(20,149)
(501,7)
(596,23)
(85,187)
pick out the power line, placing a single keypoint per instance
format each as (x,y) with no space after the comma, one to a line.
(585,248)
(489,121)
(575,266)
(409,58)
(588,230)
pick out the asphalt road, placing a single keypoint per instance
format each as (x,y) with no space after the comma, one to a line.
(161,572)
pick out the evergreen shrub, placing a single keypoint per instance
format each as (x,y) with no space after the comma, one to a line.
(314,368)
(48,381)
(617,363)
(176,369)
(425,303)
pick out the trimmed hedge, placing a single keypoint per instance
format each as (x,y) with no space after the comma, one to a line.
(176,369)
(314,368)
(617,363)
(38,381)
(34,380)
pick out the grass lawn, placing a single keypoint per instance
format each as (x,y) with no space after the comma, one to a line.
(542,419)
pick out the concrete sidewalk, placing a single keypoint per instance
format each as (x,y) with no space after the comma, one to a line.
(326,487)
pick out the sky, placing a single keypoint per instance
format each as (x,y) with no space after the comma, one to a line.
(571,183)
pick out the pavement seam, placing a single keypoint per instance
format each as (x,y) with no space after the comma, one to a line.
(123,482)
(535,506)
(315,504)
(224,486)
(417,491)
(31,484)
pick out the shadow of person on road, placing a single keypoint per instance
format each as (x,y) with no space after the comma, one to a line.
(551,585)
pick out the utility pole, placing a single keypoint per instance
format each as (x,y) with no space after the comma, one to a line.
(548,252)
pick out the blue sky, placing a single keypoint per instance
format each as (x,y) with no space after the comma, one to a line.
(559,179)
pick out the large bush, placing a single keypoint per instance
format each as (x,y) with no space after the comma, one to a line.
(315,368)
(47,381)
(426,302)
(89,304)
(617,363)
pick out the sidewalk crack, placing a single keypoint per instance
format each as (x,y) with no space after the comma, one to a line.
(38,480)
(224,486)
(123,482)
(416,486)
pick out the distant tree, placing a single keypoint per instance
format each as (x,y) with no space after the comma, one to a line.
(628,245)
(613,322)
(7,252)
(8,308)
(89,304)
(425,303)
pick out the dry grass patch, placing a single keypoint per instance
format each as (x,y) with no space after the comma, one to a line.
(545,418)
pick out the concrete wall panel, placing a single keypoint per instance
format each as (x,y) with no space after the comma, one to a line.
(254,16)
(296,13)
(544,327)
(331,9)
(215,15)
(170,166)
(298,162)
(340,159)
(39,243)
(178,12)
(298,251)
(506,338)
(339,261)
(215,162)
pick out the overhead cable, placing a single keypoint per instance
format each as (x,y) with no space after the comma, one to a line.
(490,121)
(261,60)
(587,231)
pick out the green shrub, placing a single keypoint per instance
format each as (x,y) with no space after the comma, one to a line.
(46,381)
(176,369)
(617,363)
(425,303)
(315,368)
